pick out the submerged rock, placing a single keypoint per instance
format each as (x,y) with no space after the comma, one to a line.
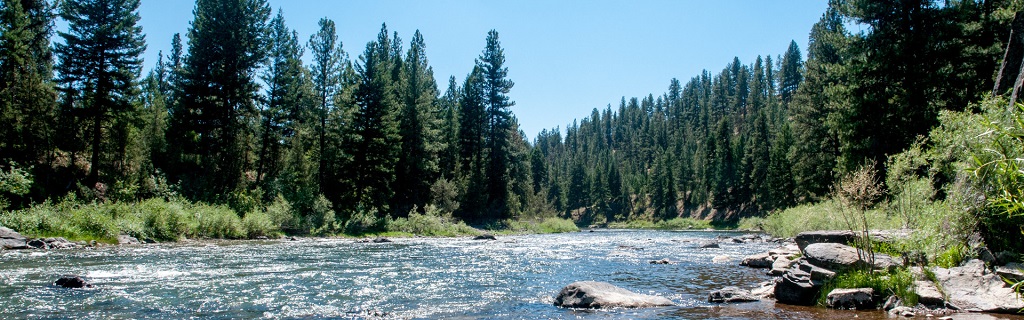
(381,240)
(662,261)
(731,294)
(972,287)
(72,282)
(709,245)
(595,295)
(855,299)
(485,237)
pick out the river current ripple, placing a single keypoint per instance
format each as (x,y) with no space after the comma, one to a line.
(515,277)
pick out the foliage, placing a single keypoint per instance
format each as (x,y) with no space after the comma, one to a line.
(672,224)
(952,257)
(431,223)
(899,283)
(15,181)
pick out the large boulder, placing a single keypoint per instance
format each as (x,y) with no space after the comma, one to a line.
(10,239)
(594,295)
(72,282)
(972,287)
(796,290)
(838,257)
(731,294)
(855,299)
(805,239)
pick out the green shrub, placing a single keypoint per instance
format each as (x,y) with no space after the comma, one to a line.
(952,257)
(431,223)
(259,223)
(216,222)
(557,225)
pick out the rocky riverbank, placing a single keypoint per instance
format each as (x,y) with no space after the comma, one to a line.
(805,266)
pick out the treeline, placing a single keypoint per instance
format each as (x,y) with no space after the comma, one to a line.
(233,116)
(770,134)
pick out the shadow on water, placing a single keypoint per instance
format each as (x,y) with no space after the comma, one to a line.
(515,277)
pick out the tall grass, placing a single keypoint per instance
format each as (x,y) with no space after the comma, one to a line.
(825,215)
(153,219)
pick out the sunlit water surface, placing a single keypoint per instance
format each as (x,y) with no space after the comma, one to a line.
(515,277)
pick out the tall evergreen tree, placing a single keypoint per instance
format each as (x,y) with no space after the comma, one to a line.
(496,87)
(27,94)
(100,61)
(377,141)
(419,127)
(213,121)
(791,74)
(329,61)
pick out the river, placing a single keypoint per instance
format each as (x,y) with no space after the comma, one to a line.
(515,277)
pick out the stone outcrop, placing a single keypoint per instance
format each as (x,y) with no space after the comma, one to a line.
(972,287)
(595,295)
(853,299)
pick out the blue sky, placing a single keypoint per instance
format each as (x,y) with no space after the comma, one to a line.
(565,57)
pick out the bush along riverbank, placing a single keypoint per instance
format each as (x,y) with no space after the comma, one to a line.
(160,220)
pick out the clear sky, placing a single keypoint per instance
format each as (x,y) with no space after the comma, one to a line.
(565,57)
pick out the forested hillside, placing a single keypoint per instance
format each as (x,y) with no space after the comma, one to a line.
(768,134)
(363,134)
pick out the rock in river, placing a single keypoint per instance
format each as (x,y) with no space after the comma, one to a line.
(126,239)
(594,295)
(71,282)
(9,239)
(485,237)
(731,294)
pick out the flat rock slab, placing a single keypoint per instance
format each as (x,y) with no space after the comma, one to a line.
(596,295)
(10,239)
(838,257)
(805,239)
(973,288)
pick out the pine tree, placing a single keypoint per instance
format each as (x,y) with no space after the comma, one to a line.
(213,120)
(287,117)
(500,125)
(449,157)
(27,94)
(329,61)
(377,142)
(100,61)
(419,127)
(815,146)
(791,74)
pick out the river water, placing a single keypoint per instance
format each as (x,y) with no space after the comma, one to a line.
(515,277)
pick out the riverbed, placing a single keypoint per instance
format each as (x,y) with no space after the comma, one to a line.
(514,277)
